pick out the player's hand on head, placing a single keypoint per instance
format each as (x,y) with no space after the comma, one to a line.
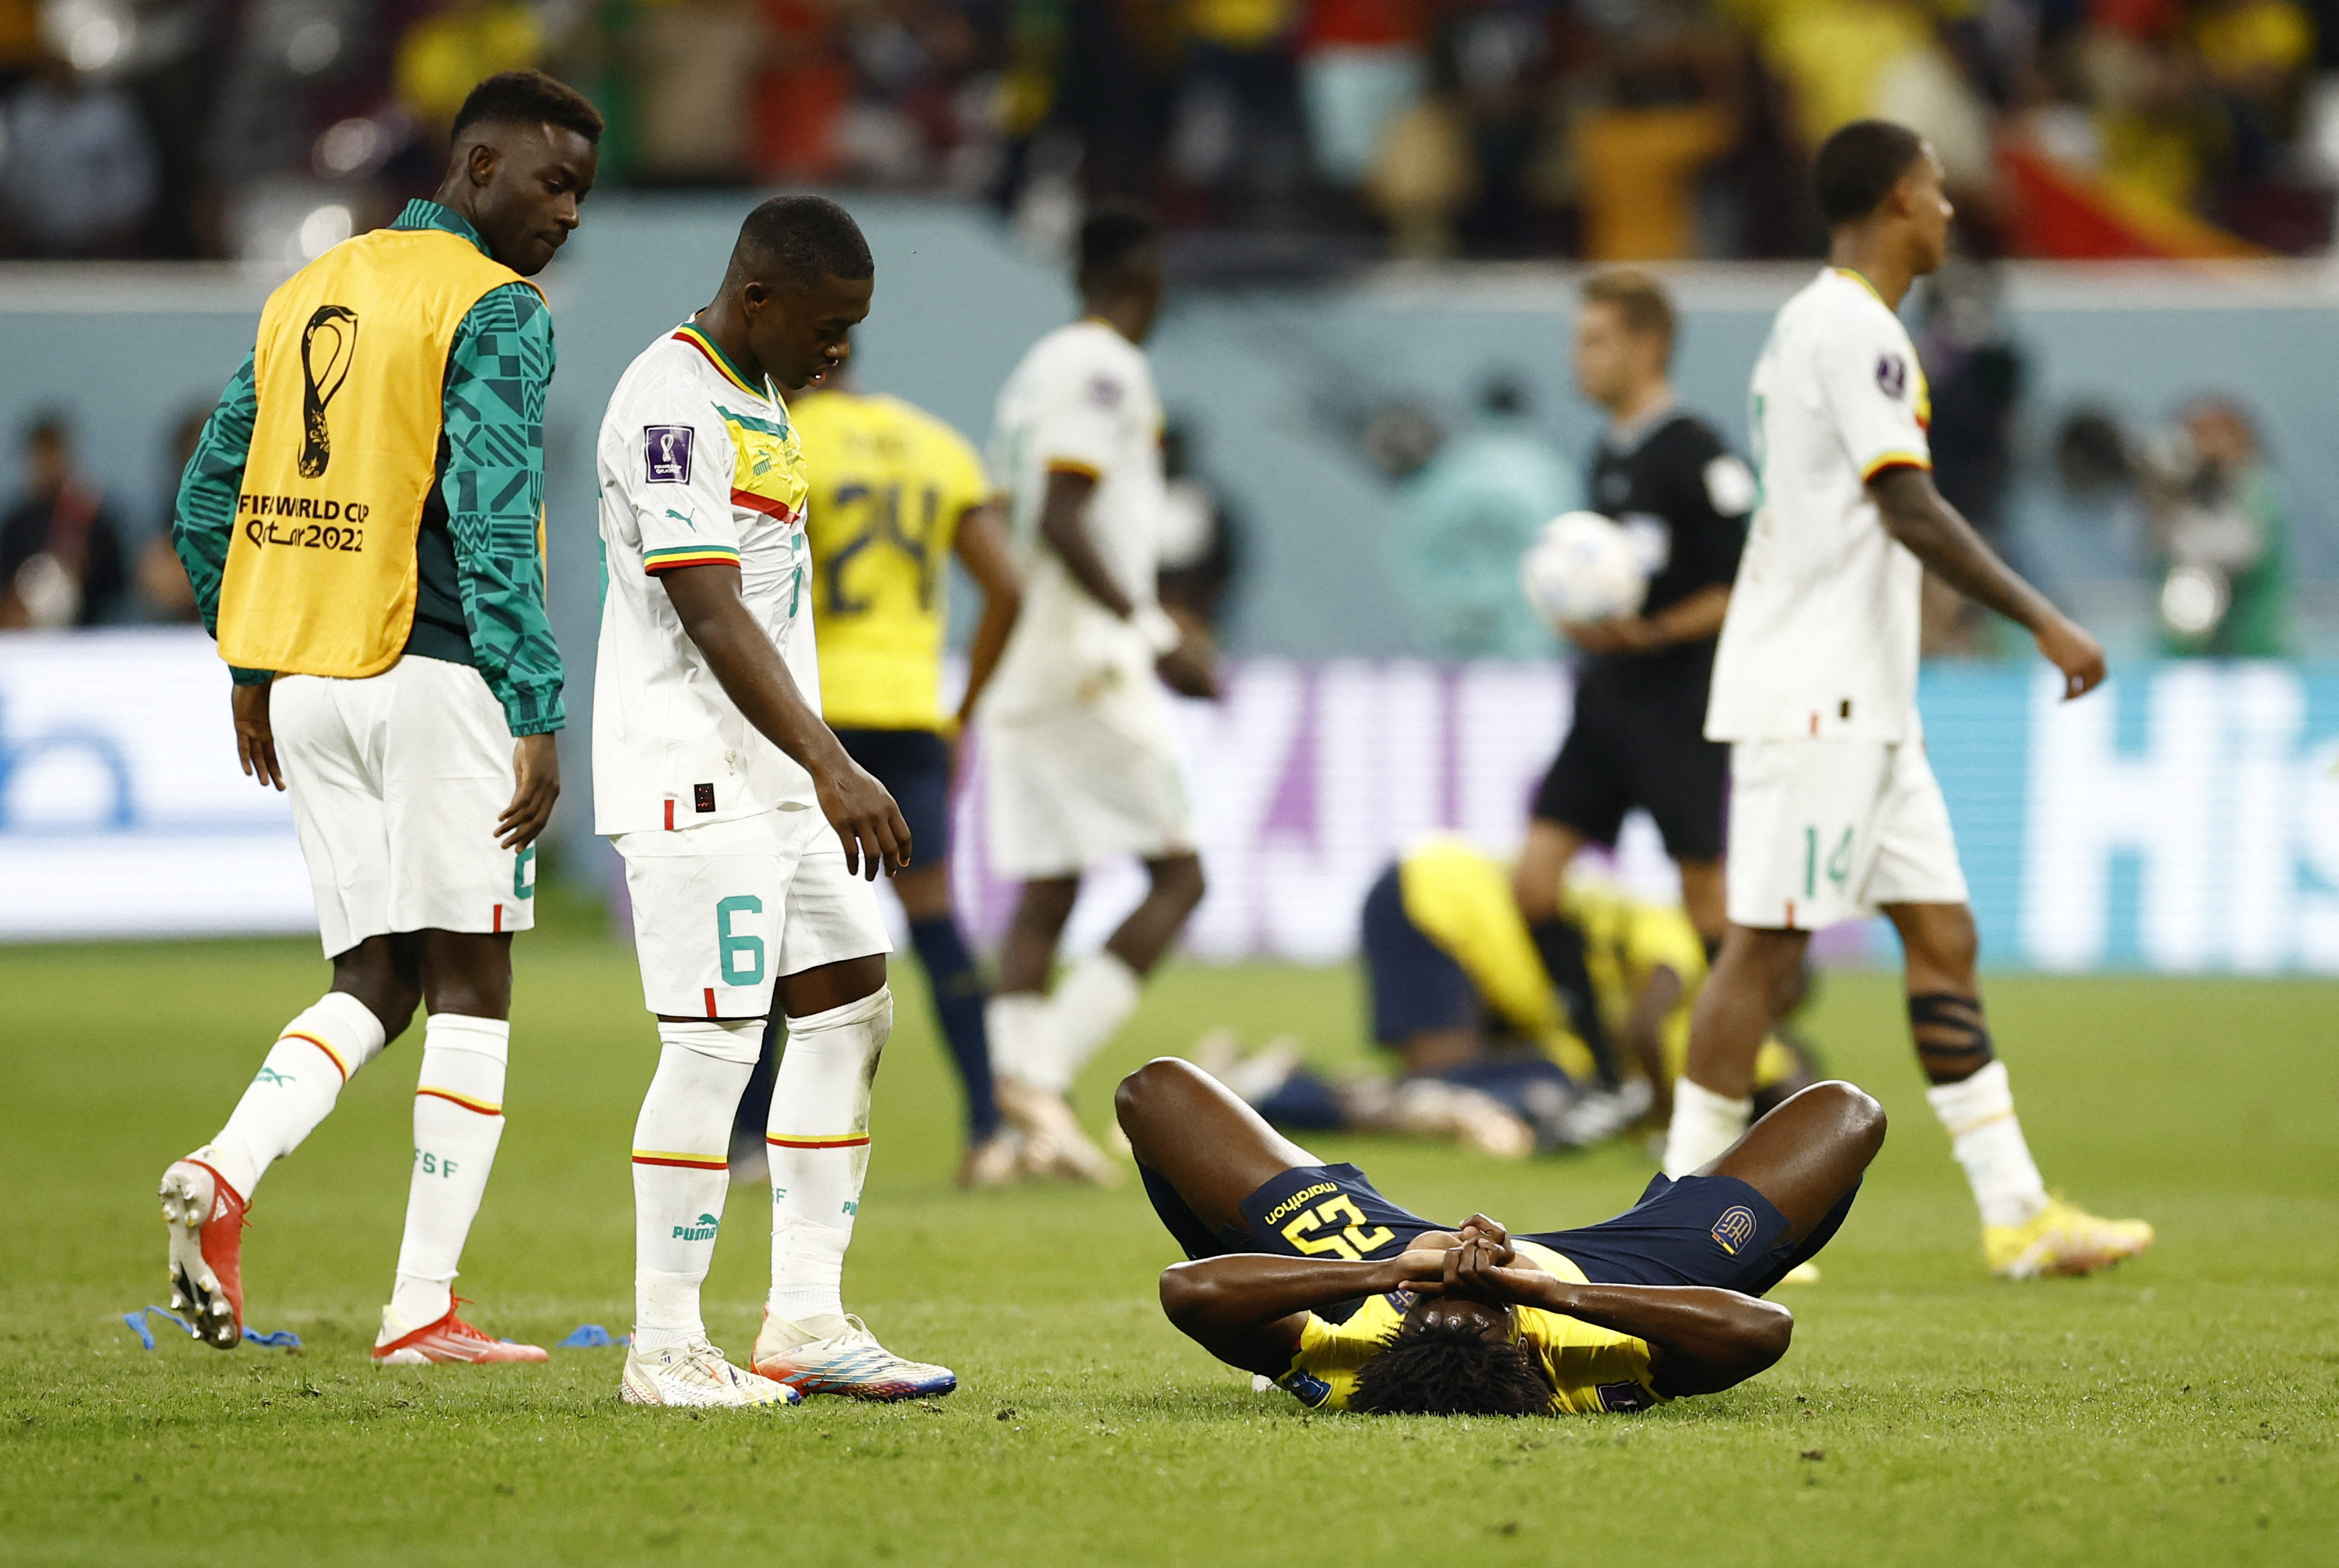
(865,818)
(1422,1269)
(2067,646)
(536,785)
(255,736)
(1493,1232)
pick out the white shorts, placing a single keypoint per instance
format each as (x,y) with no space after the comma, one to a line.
(1070,790)
(1822,831)
(721,912)
(397,781)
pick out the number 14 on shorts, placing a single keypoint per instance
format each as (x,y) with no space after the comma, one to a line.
(1825,855)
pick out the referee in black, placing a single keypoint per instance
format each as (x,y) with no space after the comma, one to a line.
(1638,735)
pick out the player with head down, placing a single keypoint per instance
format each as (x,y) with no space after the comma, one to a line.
(1304,1273)
(749,834)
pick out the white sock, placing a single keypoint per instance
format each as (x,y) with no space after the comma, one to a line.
(1091,1005)
(818,1145)
(682,1169)
(1017,1023)
(1705,1124)
(458,1120)
(1986,1138)
(317,1053)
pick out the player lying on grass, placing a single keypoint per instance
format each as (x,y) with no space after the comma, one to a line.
(1472,1021)
(1302,1272)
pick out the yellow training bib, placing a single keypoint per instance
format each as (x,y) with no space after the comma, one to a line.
(349,368)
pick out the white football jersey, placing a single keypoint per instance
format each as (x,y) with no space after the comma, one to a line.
(697,467)
(1821,640)
(1082,400)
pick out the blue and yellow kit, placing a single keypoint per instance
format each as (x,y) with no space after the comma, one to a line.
(1593,1370)
(889,485)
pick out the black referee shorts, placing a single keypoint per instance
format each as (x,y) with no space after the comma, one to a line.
(1644,748)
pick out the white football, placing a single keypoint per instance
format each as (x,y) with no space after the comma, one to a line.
(1584,567)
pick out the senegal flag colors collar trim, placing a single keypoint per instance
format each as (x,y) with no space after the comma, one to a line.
(1861,279)
(689,333)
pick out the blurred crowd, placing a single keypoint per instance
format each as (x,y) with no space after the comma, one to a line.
(1603,129)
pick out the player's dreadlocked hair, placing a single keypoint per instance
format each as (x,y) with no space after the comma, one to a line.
(1449,1368)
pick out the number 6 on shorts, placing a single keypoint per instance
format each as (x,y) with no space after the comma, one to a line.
(741,954)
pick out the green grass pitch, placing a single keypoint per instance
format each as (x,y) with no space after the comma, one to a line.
(2180,1410)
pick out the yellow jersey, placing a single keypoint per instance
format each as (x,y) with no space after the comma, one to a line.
(1592,1371)
(889,485)
(1461,899)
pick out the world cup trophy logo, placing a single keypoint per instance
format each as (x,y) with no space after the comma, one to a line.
(327,343)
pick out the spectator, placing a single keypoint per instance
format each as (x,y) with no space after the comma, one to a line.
(2221,538)
(449,52)
(79,171)
(696,62)
(60,552)
(1237,132)
(1361,63)
(1465,519)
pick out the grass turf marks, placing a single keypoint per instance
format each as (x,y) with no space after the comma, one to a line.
(2181,1409)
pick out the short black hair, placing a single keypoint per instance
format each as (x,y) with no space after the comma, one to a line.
(1110,236)
(49,425)
(1449,1368)
(807,238)
(1859,165)
(530,98)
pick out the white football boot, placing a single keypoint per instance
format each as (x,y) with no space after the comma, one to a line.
(849,1362)
(693,1375)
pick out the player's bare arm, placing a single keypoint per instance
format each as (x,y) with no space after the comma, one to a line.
(715,617)
(255,739)
(1938,534)
(1688,620)
(1246,1308)
(1185,665)
(1062,511)
(981,548)
(536,769)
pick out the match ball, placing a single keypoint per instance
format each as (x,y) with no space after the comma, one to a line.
(1582,567)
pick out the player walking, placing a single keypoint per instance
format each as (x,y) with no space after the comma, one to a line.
(1834,811)
(1637,735)
(360,523)
(895,493)
(1081,763)
(709,759)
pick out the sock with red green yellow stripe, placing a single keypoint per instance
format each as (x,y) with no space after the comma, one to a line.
(682,1169)
(459,1120)
(818,1142)
(317,1053)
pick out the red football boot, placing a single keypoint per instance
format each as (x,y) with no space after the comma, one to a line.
(447,1340)
(206,1220)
